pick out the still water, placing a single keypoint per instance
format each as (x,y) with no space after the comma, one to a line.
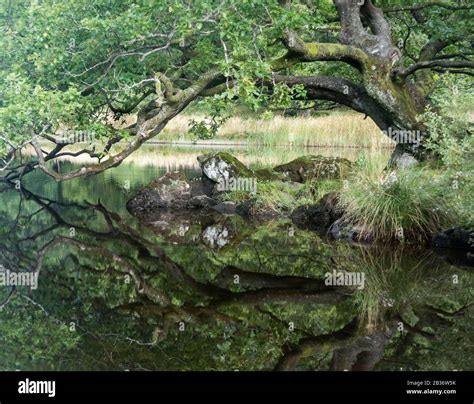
(214,292)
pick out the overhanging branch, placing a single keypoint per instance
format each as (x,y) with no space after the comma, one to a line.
(435,63)
(151,120)
(341,91)
(316,51)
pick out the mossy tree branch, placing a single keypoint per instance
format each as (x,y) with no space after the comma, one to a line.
(301,51)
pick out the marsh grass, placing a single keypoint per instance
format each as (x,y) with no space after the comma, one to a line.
(340,129)
(406,206)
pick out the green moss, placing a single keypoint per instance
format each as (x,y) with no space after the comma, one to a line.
(268,174)
(284,197)
(314,166)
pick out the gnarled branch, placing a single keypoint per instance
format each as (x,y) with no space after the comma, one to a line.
(300,51)
(436,63)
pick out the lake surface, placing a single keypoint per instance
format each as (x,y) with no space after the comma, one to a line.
(214,292)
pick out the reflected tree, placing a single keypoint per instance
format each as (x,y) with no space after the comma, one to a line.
(113,295)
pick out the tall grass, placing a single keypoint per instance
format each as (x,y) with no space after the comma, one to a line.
(407,206)
(340,129)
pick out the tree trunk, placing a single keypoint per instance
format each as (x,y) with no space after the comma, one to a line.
(387,92)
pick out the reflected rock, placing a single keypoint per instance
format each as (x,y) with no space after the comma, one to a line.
(172,225)
(455,238)
(216,236)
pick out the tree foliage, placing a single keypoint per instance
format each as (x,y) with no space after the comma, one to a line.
(82,66)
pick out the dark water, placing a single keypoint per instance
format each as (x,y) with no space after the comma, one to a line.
(212,292)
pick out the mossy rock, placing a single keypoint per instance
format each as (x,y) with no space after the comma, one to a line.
(222,165)
(268,174)
(172,190)
(310,167)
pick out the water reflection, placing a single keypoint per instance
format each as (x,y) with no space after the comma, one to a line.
(211,292)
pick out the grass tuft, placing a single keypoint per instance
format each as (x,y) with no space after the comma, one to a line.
(408,205)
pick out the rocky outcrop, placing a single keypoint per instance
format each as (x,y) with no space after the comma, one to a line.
(401,159)
(172,190)
(217,236)
(310,167)
(327,217)
(223,172)
(201,202)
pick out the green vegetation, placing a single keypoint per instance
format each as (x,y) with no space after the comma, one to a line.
(284,198)
(120,71)
(405,205)
(412,204)
(275,195)
(117,74)
(85,307)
